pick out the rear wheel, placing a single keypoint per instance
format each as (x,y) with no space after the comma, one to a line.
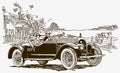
(68,58)
(17,58)
(42,62)
(96,60)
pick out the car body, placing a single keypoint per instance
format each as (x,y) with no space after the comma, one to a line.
(68,49)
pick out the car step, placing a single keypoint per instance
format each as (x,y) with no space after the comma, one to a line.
(34,59)
(91,56)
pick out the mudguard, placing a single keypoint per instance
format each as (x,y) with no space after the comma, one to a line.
(71,45)
(15,46)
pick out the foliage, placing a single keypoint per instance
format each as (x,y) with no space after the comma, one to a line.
(25,19)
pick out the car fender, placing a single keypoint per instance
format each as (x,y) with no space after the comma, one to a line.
(14,47)
(71,45)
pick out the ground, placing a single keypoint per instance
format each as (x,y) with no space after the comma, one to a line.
(109,63)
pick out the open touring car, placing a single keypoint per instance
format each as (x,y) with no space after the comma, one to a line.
(68,49)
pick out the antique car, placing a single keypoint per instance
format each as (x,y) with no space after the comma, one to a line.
(68,49)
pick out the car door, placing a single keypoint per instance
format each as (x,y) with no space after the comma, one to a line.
(45,50)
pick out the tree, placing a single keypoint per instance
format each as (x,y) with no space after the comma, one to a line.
(28,19)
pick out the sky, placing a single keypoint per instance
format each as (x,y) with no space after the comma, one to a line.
(72,14)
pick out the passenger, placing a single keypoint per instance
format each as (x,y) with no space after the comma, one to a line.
(47,35)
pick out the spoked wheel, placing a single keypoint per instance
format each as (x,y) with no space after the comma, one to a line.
(96,60)
(68,58)
(42,62)
(17,58)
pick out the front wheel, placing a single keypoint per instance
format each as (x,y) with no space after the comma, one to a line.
(96,60)
(68,58)
(17,58)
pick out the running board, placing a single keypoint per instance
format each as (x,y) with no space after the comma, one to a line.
(43,54)
(87,57)
(35,59)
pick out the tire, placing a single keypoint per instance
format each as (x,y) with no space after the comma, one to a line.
(68,58)
(17,58)
(95,61)
(42,63)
